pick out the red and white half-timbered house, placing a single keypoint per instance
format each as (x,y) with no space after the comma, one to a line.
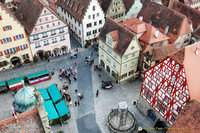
(166,86)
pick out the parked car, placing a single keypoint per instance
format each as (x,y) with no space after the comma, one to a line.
(107,85)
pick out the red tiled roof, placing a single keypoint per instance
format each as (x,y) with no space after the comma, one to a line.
(76,8)
(159,53)
(124,36)
(162,16)
(191,13)
(29,11)
(188,120)
(28,121)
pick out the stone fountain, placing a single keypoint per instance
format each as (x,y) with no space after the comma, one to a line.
(121,120)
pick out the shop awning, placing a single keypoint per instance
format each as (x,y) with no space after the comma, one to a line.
(50,109)
(15,80)
(62,108)
(2,83)
(54,93)
(45,94)
(37,74)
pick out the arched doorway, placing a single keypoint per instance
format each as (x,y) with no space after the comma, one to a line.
(64,49)
(56,52)
(102,64)
(15,61)
(27,61)
(113,73)
(49,53)
(151,114)
(108,69)
(40,54)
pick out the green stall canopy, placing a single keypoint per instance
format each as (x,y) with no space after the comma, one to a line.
(50,109)
(2,83)
(62,108)
(37,74)
(54,93)
(45,94)
(15,80)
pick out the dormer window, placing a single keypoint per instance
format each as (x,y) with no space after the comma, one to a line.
(132,47)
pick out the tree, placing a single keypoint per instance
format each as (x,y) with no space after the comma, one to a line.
(46,55)
(35,58)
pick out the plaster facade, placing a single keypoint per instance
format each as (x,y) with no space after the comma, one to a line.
(50,34)
(134,10)
(14,48)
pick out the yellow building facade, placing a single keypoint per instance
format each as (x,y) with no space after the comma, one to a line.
(14,48)
(118,51)
(114,9)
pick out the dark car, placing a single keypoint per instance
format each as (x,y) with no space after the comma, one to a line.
(107,85)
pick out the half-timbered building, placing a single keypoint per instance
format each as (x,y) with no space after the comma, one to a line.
(170,84)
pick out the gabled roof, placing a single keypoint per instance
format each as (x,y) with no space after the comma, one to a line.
(28,13)
(128,4)
(124,36)
(162,17)
(188,120)
(105,4)
(137,26)
(76,8)
(191,13)
(28,121)
(9,11)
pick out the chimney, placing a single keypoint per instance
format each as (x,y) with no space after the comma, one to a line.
(141,18)
(166,29)
(125,25)
(21,16)
(156,33)
(191,27)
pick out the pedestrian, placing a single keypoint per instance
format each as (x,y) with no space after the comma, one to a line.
(75,78)
(69,81)
(76,90)
(97,93)
(75,103)
(91,53)
(74,74)
(75,63)
(78,102)
(71,57)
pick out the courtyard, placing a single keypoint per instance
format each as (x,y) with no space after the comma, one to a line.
(91,115)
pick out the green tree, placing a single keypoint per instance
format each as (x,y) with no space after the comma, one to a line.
(35,58)
(46,56)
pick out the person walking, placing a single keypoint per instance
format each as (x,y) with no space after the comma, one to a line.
(76,90)
(75,63)
(75,103)
(97,93)
(69,81)
(78,103)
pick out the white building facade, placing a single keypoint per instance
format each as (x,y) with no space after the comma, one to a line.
(85,19)
(50,34)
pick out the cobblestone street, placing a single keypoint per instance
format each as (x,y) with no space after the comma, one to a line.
(91,115)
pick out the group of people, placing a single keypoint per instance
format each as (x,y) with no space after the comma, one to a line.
(67,73)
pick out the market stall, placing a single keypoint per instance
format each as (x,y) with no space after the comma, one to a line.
(38,77)
(45,94)
(63,111)
(54,93)
(3,87)
(15,83)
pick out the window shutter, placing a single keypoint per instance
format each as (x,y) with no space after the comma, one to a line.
(17,48)
(10,27)
(1,53)
(22,35)
(0,18)
(10,39)
(1,41)
(26,45)
(14,38)
(5,52)
(4,29)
